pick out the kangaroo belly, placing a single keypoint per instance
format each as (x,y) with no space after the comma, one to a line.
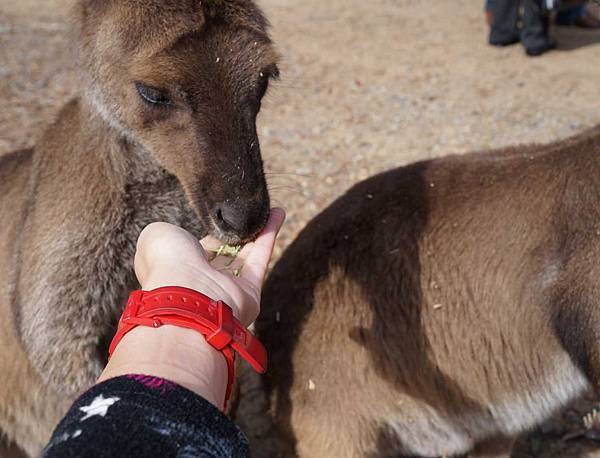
(425,430)
(28,410)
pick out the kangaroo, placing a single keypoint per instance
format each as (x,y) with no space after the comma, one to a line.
(163,130)
(439,308)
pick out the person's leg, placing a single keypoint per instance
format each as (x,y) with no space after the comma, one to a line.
(569,16)
(588,20)
(489,16)
(503,18)
(578,16)
(534,31)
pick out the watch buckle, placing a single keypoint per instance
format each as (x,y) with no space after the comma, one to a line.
(223,335)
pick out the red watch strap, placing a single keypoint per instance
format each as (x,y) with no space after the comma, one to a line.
(187,308)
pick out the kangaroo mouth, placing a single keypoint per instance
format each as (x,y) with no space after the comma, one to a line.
(231,236)
(233,224)
(236,217)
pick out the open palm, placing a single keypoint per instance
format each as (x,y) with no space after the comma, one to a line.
(167,255)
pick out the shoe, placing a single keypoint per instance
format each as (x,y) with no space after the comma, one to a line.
(504,41)
(587,21)
(539,50)
(502,32)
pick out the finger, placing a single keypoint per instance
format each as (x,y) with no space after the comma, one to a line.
(210,245)
(258,256)
(276,218)
(226,263)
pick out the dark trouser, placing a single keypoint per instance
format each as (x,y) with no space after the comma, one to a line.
(570,15)
(519,20)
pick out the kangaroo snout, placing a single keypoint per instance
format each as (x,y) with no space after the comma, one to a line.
(240,220)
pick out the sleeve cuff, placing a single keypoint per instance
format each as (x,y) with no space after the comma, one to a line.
(145,416)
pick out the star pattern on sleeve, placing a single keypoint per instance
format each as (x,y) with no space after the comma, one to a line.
(99,406)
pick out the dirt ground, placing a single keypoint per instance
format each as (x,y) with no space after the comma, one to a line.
(366,86)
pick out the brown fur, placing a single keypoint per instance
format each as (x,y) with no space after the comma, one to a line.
(72,208)
(439,308)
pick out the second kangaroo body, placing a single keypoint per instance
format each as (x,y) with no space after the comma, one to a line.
(441,308)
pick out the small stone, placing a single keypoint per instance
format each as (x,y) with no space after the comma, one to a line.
(311,385)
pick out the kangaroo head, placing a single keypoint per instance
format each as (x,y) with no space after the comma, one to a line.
(184,80)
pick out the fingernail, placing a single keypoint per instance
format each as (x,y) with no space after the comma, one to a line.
(278,212)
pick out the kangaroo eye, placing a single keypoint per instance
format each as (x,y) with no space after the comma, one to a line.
(271,72)
(153,95)
(263,85)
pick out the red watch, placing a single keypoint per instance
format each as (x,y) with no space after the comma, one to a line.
(187,308)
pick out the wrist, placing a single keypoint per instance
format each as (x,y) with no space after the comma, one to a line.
(192,280)
(174,353)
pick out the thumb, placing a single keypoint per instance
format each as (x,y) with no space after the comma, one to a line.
(260,251)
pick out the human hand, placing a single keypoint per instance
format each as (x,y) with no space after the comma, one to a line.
(168,255)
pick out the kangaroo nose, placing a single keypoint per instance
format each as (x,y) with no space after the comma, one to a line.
(241,219)
(231,218)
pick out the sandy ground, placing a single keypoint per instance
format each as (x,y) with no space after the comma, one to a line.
(365,86)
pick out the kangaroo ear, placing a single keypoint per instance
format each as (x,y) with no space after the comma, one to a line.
(241,14)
